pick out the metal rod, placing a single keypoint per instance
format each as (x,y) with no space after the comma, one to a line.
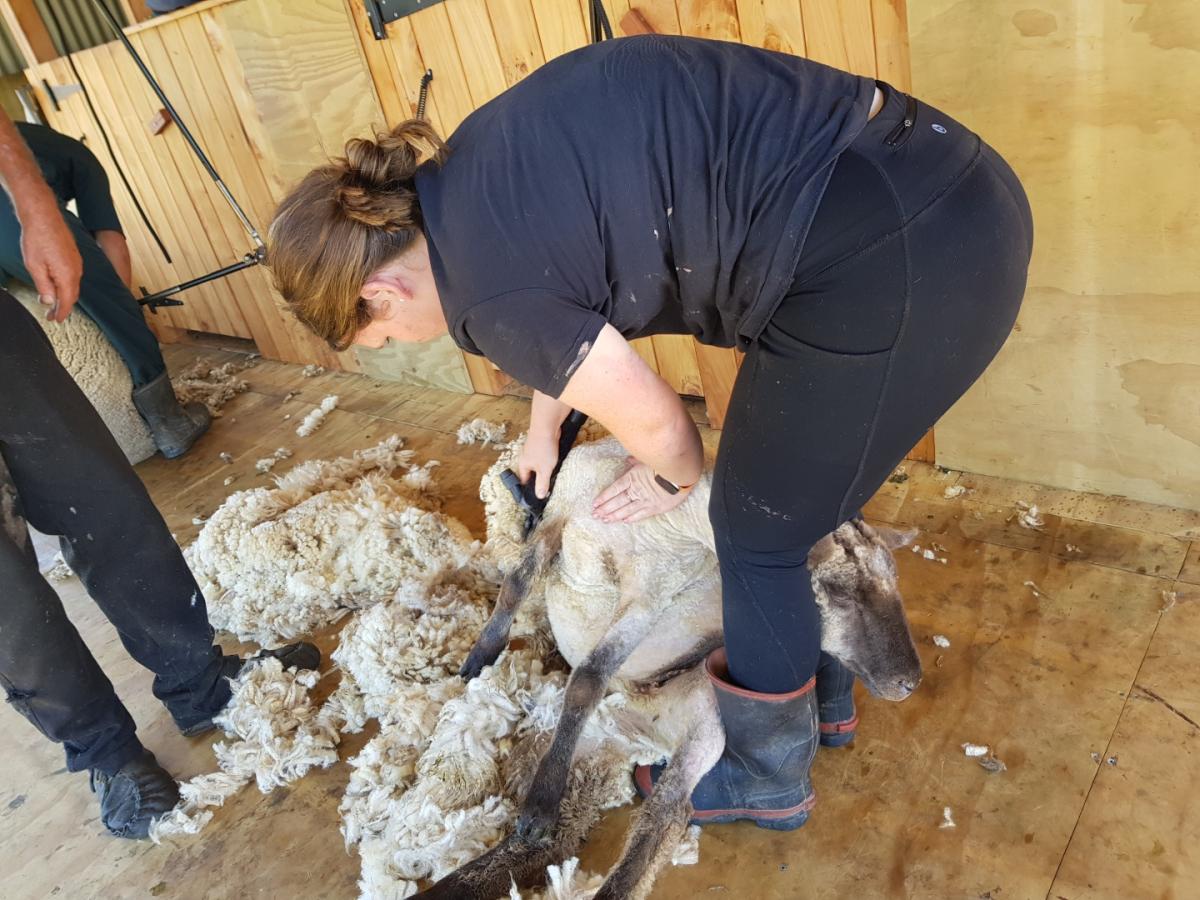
(183,129)
(160,298)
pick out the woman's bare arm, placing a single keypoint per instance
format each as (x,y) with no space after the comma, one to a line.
(615,386)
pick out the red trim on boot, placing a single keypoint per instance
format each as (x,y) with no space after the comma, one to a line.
(644,780)
(839,727)
(717,667)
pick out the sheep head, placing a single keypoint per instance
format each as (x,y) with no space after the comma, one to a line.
(863,624)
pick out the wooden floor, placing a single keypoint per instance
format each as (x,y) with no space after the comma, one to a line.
(1086,668)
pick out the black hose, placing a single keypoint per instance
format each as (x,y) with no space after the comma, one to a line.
(183,129)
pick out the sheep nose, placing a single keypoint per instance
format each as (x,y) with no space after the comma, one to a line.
(908,685)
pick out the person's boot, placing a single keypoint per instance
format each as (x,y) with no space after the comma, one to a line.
(770,744)
(174,427)
(835,702)
(139,792)
(301,655)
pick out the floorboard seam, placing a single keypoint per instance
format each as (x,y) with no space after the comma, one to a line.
(1103,756)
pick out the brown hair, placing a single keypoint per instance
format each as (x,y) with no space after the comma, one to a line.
(343,222)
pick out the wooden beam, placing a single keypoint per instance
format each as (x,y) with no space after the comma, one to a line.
(28,31)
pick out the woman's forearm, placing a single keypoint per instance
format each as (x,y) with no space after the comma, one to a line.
(546,416)
(672,447)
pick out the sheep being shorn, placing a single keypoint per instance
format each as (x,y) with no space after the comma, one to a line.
(641,604)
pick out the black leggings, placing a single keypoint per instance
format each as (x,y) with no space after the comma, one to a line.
(908,285)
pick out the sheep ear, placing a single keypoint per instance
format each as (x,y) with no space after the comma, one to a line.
(895,538)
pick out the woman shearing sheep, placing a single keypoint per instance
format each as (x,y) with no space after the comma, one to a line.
(867,252)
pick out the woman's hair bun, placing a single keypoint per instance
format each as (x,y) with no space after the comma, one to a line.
(376,184)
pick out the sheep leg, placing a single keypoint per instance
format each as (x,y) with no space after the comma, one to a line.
(585,689)
(546,542)
(664,815)
(489,876)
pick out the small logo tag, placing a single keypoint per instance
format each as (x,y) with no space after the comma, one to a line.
(938,128)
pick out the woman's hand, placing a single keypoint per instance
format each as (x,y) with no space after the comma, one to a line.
(636,495)
(538,458)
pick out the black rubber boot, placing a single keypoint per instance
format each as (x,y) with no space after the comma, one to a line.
(770,743)
(174,427)
(139,792)
(300,655)
(835,702)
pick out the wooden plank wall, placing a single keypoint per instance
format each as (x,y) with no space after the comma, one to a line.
(188,53)
(477,48)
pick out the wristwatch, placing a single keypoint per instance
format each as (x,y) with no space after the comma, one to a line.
(671,487)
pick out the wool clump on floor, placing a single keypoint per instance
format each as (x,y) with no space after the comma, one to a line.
(267,463)
(276,563)
(59,571)
(212,385)
(277,736)
(481,431)
(313,420)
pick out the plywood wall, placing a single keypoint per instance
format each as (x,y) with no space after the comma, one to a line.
(232,94)
(1095,106)
(477,48)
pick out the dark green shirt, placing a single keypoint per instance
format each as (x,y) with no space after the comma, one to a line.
(73,173)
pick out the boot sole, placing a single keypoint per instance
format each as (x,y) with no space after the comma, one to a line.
(791,823)
(837,740)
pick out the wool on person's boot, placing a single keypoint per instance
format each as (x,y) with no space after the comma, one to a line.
(301,656)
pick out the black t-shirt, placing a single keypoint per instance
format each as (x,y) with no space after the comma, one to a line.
(73,173)
(660,184)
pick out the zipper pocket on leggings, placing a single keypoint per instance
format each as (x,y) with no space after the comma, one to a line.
(903,130)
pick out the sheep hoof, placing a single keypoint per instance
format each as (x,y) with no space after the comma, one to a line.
(472,667)
(479,658)
(536,827)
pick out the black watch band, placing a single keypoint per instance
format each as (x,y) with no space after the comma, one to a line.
(670,487)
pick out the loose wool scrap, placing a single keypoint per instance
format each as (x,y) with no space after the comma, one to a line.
(314,419)
(276,737)
(481,431)
(210,384)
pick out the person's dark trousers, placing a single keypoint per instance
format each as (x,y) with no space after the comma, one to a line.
(908,285)
(103,297)
(72,480)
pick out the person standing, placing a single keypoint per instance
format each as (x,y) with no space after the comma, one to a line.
(62,471)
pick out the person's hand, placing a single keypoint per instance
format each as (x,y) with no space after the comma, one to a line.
(538,458)
(635,496)
(52,259)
